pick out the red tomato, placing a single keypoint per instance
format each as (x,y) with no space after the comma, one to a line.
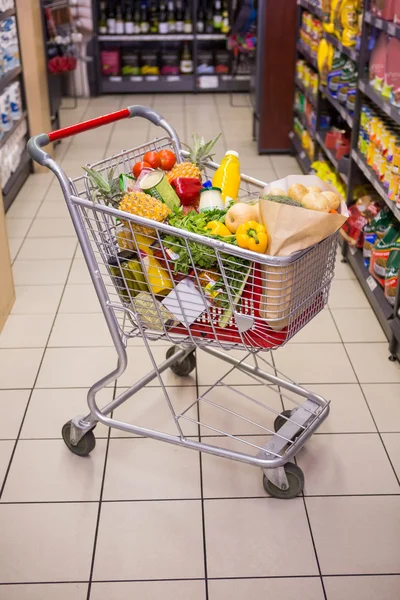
(153,159)
(138,168)
(167,159)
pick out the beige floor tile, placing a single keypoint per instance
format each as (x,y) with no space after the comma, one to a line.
(55,227)
(14,244)
(36,300)
(148,590)
(79,273)
(283,161)
(18,228)
(80,330)
(18,368)
(24,207)
(75,367)
(279,589)
(6,448)
(347,294)
(148,408)
(26,331)
(348,410)
(321,328)
(38,542)
(61,591)
(40,272)
(47,248)
(50,409)
(392,444)
(358,325)
(346,464)
(79,299)
(12,407)
(343,270)
(211,369)
(315,363)
(258,404)
(383,587)
(161,471)
(149,540)
(356,535)
(371,364)
(383,400)
(245,538)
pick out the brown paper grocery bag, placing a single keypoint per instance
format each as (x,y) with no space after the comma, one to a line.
(291,229)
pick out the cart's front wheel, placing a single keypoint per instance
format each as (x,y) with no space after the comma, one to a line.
(295,479)
(85,445)
(184,368)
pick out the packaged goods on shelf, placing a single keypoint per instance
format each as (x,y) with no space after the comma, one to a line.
(327,173)
(344,20)
(9,48)
(205,64)
(11,152)
(222,62)
(170,63)
(149,63)
(383,9)
(130,62)
(383,71)
(310,33)
(342,80)
(307,76)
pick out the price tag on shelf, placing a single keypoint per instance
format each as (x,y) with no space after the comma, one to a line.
(172,78)
(391,28)
(242,77)
(208,82)
(372,284)
(387,108)
(378,23)
(115,79)
(135,78)
(302,155)
(226,77)
(152,78)
(353,55)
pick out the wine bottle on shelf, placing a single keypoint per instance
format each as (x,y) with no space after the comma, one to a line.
(179,17)
(129,25)
(111,23)
(153,18)
(217,17)
(136,19)
(162,19)
(225,27)
(102,26)
(187,22)
(144,21)
(119,21)
(186,65)
(209,23)
(200,19)
(171,17)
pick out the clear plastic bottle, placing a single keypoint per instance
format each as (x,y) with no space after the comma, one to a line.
(227,176)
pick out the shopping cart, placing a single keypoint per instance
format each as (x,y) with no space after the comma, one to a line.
(165,284)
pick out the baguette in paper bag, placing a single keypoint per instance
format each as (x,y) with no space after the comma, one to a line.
(291,229)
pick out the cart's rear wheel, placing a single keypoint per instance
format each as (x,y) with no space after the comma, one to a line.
(295,479)
(85,445)
(280,420)
(184,368)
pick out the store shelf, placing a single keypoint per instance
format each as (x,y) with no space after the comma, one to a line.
(388,26)
(312,8)
(320,137)
(304,51)
(9,77)
(336,104)
(211,36)
(8,134)
(7,14)
(303,119)
(300,155)
(350,52)
(377,99)
(312,99)
(225,83)
(184,37)
(17,180)
(370,175)
(150,83)
(372,289)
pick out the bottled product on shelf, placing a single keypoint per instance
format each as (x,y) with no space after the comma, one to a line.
(310,33)
(307,77)
(186,64)
(342,80)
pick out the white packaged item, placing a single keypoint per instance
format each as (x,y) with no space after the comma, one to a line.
(15,100)
(5,111)
(185,302)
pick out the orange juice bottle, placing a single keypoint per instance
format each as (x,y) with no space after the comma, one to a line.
(227,176)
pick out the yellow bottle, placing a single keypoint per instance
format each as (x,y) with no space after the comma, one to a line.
(227,176)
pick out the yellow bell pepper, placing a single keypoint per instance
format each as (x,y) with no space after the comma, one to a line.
(252,236)
(218,228)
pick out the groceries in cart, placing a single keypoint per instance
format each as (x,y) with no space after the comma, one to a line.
(189,243)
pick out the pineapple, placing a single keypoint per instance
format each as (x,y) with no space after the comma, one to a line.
(143,205)
(105,189)
(199,155)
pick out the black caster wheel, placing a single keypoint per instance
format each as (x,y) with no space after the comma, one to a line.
(280,420)
(295,479)
(184,368)
(85,445)
(392,358)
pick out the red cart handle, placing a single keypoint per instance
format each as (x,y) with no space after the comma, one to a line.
(36,143)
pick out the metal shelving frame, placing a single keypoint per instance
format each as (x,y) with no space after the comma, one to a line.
(388,316)
(163,83)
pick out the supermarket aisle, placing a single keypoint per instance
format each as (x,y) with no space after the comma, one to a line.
(141,519)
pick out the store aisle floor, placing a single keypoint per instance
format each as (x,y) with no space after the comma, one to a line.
(141,519)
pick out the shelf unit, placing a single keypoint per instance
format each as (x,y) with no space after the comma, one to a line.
(195,82)
(354,169)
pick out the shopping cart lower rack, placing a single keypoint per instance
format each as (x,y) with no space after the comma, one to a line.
(150,285)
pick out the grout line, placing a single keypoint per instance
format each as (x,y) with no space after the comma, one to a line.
(314,546)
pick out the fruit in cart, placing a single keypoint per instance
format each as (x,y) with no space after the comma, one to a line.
(199,154)
(277,192)
(240,213)
(138,168)
(282,199)
(333,199)
(297,191)
(252,236)
(143,205)
(314,188)
(187,189)
(167,159)
(153,159)
(316,201)
(105,187)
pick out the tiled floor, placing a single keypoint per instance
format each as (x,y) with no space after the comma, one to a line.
(139,519)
